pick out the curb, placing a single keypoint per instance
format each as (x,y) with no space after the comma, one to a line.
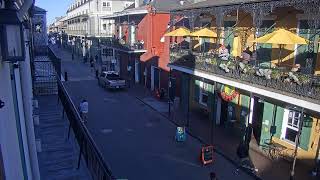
(203,142)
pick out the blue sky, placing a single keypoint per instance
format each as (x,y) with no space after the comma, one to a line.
(54,8)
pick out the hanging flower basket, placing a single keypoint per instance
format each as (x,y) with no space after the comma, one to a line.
(228,93)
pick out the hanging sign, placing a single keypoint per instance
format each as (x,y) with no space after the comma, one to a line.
(180,134)
(228,93)
(207,155)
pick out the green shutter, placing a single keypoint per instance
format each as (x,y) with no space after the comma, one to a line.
(228,34)
(185,92)
(196,91)
(306,132)
(245,103)
(302,50)
(278,121)
(264,51)
(266,122)
(211,101)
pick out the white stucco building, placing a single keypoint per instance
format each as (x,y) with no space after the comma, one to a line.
(84,17)
(18,155)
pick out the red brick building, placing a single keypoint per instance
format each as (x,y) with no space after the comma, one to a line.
(139,46)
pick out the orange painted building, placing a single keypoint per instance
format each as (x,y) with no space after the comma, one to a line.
(140,46)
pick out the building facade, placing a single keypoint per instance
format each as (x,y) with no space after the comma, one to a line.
(39,27)
(17,139)
(85,26)
(278,101)
(139,47)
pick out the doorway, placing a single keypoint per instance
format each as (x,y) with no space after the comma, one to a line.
(155,78)
(224,111)
(257,115)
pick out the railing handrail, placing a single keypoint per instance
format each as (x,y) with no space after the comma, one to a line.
(85,129)
(84,132)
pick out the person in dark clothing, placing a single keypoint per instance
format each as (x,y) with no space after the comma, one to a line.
(243,150)
(91,63)
(96,58)
(213,176)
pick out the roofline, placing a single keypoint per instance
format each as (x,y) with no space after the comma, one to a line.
(220,5)
(124,13)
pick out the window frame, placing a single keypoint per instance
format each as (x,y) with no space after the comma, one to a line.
(295,116)
(203,92)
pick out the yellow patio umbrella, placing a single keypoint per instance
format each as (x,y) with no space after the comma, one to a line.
(236,49)
(205,32)
(282,37)
(179,32)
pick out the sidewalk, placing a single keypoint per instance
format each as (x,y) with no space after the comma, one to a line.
(224,140)
(59,155)
(76,69)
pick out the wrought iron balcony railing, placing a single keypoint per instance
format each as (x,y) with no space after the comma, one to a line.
(76,32)
(281,80)
(121,44)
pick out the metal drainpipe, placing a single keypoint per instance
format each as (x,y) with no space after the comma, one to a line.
(21,129)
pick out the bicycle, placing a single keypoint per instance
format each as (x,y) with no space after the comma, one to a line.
(273,150)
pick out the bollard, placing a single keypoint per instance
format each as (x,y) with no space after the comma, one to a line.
(72,56)
(66,76)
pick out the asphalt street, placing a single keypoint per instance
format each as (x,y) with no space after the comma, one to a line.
(137,142)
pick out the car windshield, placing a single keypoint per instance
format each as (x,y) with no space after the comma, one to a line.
(113,76)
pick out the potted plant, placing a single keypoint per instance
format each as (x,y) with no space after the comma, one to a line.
(275,74)
(214,61)
(303,78)
(231,65)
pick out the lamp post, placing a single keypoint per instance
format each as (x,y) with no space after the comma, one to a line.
(11,36)
(297,143)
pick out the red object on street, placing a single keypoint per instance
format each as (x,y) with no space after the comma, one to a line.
(206,155)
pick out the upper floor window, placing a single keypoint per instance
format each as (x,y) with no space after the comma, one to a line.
(106,6)
(203,96)
(104,26)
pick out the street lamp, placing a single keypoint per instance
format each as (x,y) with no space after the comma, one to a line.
(11,36)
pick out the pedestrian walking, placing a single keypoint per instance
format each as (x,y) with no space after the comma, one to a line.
(92,64)
(85,59)
(96,58)
(84,107)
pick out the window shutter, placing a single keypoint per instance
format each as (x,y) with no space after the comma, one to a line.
(244,114)
(264,51)
(302,50)
(306,132)
(211,102)
(196,91)
(228,34)
(266,123)
(211,97)
(185,91)
(278,121)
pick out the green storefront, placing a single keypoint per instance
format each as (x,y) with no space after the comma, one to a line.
(199,94)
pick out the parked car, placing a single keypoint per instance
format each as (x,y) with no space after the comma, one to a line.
(111,80)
